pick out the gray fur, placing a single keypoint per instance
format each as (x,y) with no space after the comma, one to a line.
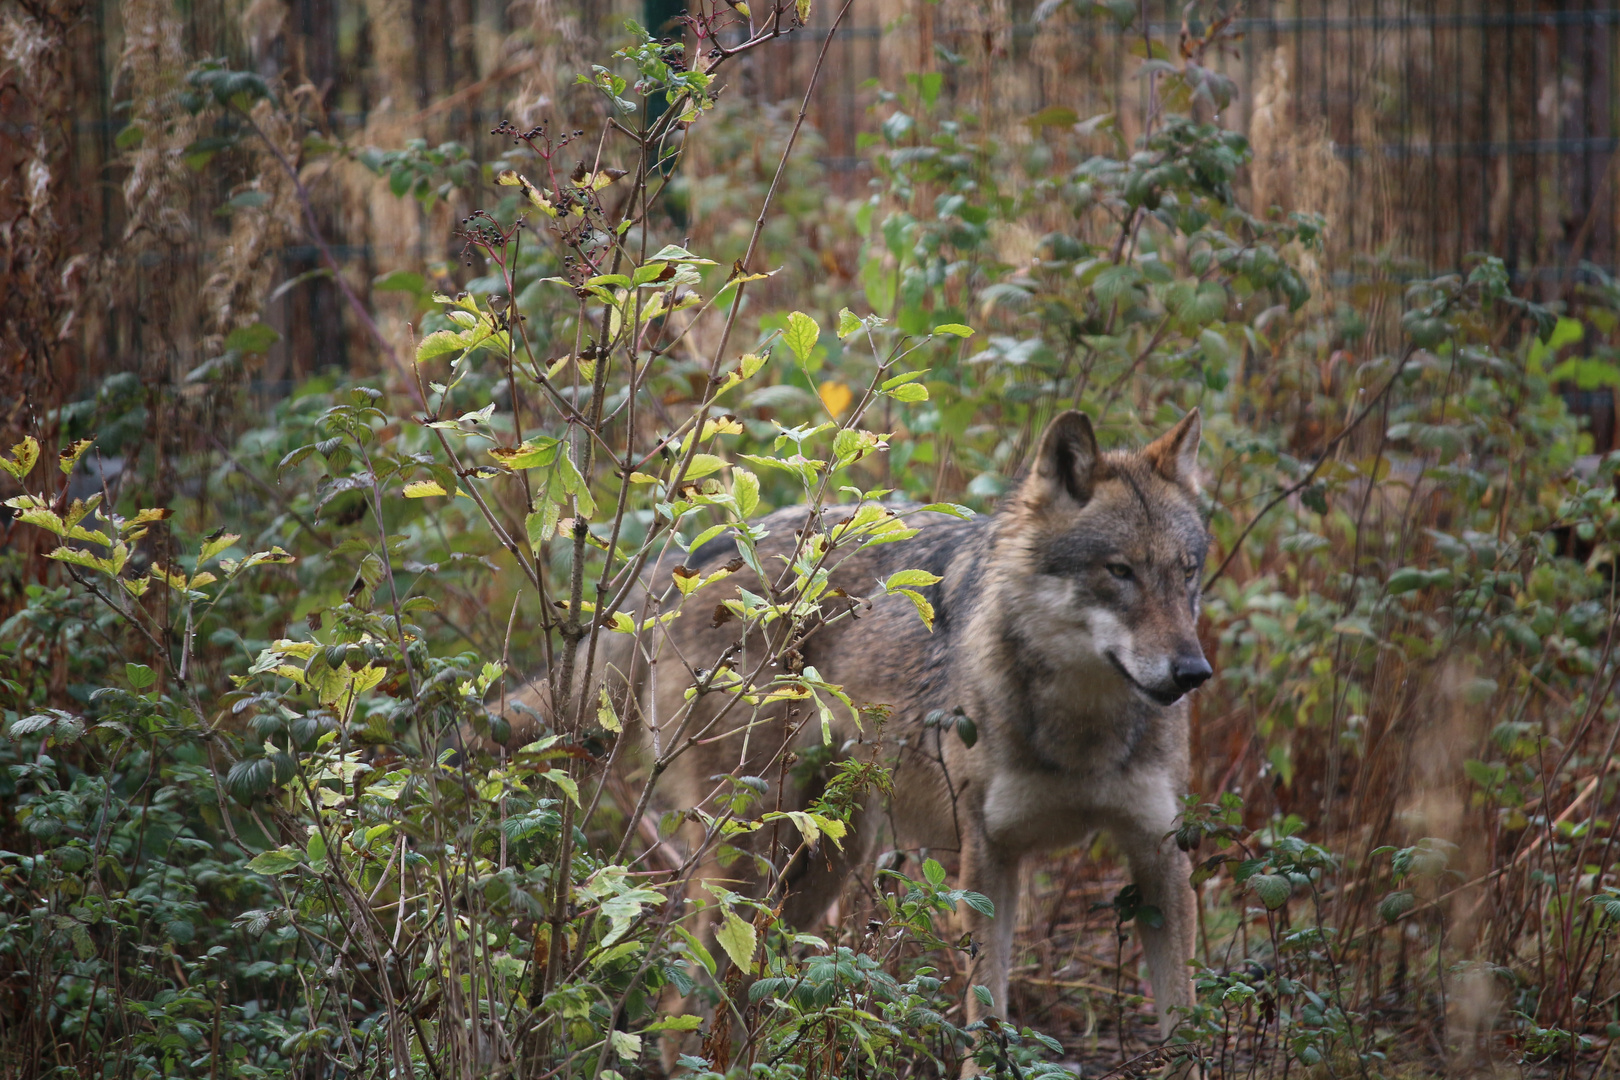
(1066,666)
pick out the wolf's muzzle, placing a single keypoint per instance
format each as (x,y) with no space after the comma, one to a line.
(1190,672)
(1163,695)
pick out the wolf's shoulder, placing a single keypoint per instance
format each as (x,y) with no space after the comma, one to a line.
(939,538)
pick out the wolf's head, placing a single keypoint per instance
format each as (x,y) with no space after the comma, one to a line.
(1115,546)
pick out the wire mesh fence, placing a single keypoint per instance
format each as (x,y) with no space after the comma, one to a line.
(1427,129)
(1461,127)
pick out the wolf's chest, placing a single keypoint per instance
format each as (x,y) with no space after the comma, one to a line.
(1035,810)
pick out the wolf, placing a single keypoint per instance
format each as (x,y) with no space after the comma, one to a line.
(1065,629)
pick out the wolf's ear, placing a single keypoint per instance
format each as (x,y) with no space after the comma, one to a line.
(1174,455)
(1065,463)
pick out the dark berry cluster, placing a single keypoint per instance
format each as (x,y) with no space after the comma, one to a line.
(481,231)
(538,132)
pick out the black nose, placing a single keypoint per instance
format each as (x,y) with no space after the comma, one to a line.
(1190,672)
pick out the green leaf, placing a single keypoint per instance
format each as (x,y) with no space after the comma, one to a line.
(541,525)
(564,781)
(438,343)
(846,445)
(684,1022)
(1484,774)
(966,729)
(1406,579)
(910,376)
(140,676)
(956,510)
(1273,889)
(910,578)
(933,872)
(259,558)
(538,454)
(1114,284)
(293,459)
(928,85)
(82,558)
(703,465)
(1587,374)
(980,903)
(255,339)
(275,861)
(801,335)
(737,937)
(848,323)
(1059,116)
(64,727)
(699,952)
(1396,904)
(574,484)
(677,254)
(958,329)
(1608,903)
(1426,331)
(1566,331)
(1214,346)
(745,489)
(1124,11)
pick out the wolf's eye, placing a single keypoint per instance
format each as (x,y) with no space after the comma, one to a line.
(1121,571)
(1190,571)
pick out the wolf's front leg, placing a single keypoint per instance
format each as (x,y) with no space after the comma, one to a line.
(995,874)
(1163,876)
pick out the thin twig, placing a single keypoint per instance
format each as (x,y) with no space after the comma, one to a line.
(1305,481)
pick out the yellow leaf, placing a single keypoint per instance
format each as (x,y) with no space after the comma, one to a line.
(421,489)
(836,396)
(725,425)
(70,456)
(22,459)
(605,714)
(303,650)
(736,936)
(216,544)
